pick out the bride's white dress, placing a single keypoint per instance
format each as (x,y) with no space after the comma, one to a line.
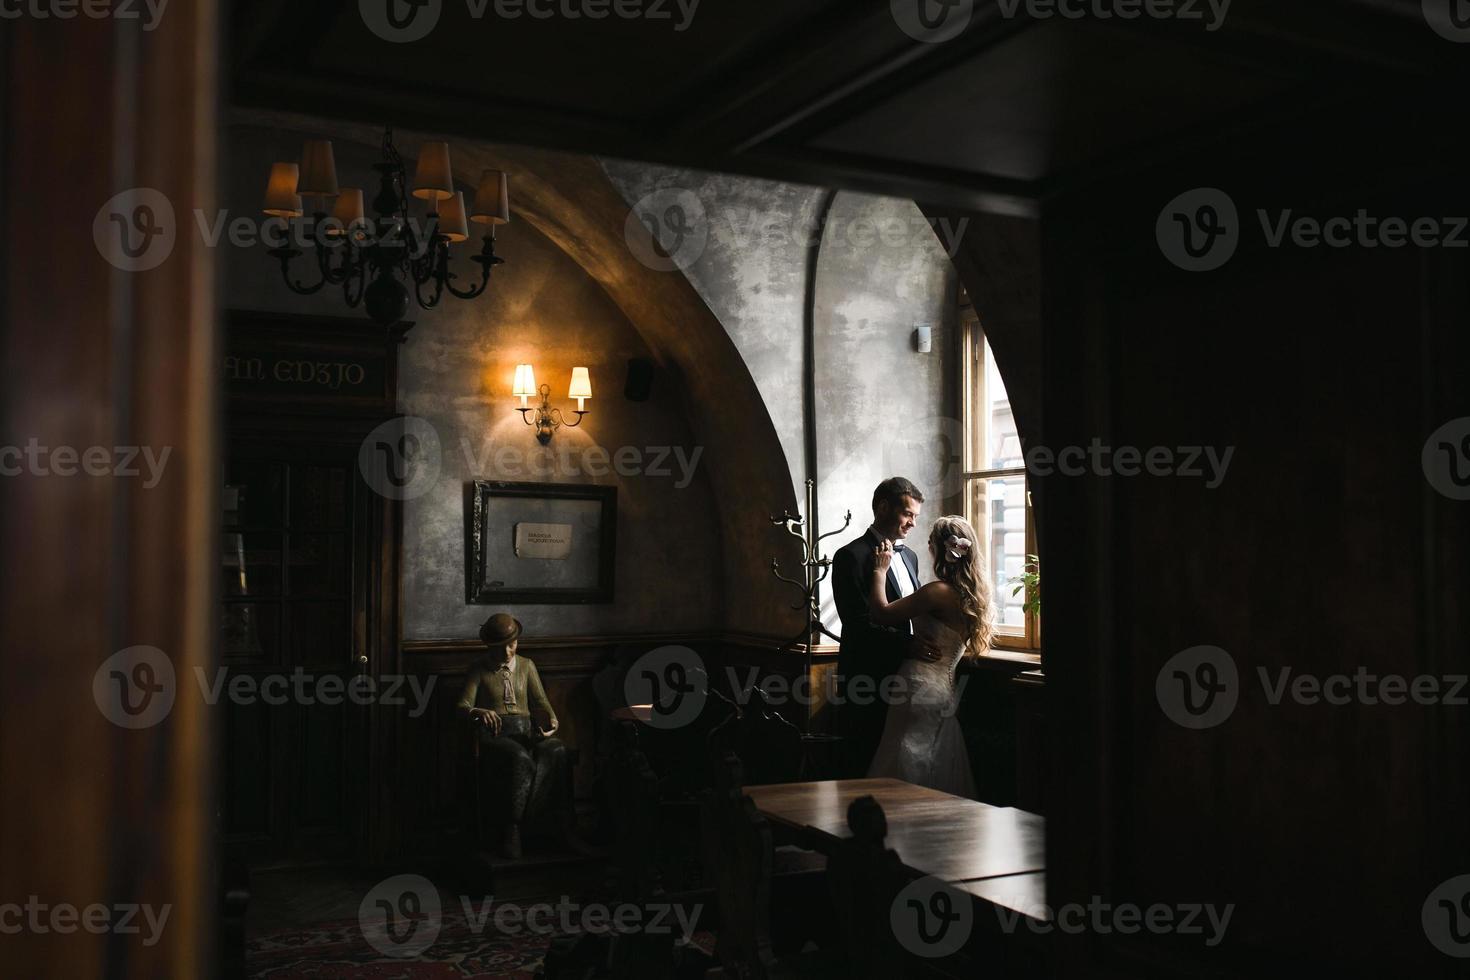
(922,742)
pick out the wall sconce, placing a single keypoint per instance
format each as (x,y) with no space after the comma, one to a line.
(549,419)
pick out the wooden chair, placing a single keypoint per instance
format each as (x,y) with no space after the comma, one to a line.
(865,878)
(737,842)
(770,747)
(635,877)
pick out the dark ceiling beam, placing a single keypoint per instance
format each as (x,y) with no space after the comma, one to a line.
(926,185)
(451,113)
(1310,38)
(811,79)
(361,100)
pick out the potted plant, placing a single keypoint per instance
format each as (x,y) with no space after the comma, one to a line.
(1030,581)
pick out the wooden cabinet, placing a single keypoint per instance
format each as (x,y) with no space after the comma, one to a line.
(308,590)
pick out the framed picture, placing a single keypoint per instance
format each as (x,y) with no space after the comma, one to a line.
(541,543)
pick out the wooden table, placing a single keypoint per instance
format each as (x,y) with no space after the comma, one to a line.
(997,854)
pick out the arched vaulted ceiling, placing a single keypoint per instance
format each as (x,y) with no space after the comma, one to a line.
(568,199)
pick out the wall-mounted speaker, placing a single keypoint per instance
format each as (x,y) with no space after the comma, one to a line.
(923,339)
(640,379)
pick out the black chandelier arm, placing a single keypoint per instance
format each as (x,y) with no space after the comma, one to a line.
(349,266)
(487,260)
(473,291)
(433,261)
(285,255)
(356,273)
(433,268)
(432,301)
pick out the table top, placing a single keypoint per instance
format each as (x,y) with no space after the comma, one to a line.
(1025,893)
(934,833)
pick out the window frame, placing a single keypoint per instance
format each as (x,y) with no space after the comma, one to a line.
(1027,640)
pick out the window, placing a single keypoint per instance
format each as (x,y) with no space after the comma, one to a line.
(997,502)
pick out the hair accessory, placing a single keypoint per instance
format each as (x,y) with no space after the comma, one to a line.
(956,546)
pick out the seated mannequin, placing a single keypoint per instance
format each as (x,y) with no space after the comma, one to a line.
(504,700)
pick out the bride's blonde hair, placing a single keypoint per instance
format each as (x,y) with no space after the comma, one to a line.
(957,561)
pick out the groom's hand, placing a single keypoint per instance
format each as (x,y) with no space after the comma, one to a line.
(921,648)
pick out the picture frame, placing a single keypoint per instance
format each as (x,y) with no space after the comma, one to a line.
(540,543)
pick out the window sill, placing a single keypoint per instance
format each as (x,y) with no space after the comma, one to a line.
(1031,658)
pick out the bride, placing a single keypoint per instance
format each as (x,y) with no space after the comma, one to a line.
(922,741)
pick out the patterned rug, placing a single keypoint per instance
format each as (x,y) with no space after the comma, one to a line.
(460,951)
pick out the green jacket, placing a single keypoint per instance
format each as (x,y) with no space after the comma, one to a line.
(485,687)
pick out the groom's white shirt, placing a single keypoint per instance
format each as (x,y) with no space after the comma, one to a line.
(898,570)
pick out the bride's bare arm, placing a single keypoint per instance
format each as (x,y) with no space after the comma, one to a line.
(880,610)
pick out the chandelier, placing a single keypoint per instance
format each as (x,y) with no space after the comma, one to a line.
(377,261)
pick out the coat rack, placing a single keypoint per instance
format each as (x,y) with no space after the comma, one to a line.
(815,569)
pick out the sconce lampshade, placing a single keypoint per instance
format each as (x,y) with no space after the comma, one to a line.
(433,181)
(281,199)
(451,219)
(581,386)
(318,169)
(348,211)
(492,199)
(525,385)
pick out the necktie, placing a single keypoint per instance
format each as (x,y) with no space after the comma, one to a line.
(509,687)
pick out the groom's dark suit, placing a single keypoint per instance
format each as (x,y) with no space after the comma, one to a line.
(867,650)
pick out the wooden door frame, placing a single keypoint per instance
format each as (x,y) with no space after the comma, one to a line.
(96,355)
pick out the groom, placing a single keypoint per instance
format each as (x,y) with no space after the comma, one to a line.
(869,654)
